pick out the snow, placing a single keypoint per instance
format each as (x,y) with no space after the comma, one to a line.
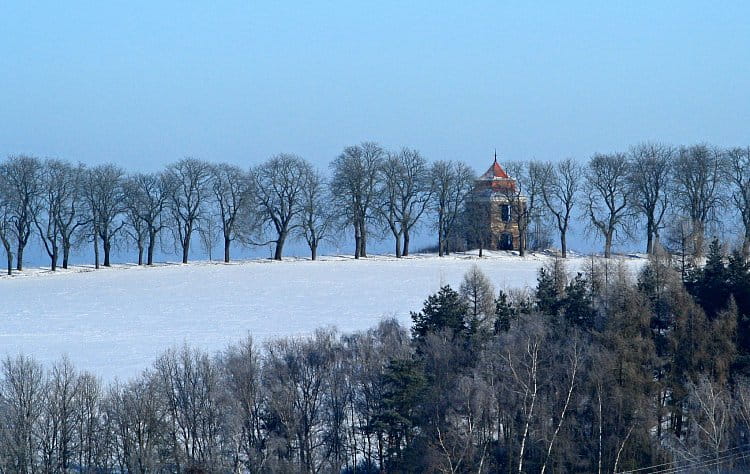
(114,322)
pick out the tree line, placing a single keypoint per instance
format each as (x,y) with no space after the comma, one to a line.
(601,371)
(676,194)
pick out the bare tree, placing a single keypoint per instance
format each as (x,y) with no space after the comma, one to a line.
(356,172)
(188,184)
(698,174)
(738,169)
(476,220)
(278,183)
(241,364)
(22,175)
(60,210)
(650,169)
(479,294)
(57,423)
(524,197)
(296,377)
(607,196)
(405,194)
(146,196)
(452,182)
(103,193)
(50,201)
(559,189)
(71,214)
(22,390)
(189,386)
(139,422)
(233,192)
(316,218)
(6,221)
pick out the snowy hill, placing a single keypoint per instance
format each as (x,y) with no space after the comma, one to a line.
(115,322)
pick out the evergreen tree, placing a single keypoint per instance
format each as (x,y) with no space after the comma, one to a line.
(710,284)
(738,275)
(403,385)
(548,292)
(445,310)
(577,304)
(504,313)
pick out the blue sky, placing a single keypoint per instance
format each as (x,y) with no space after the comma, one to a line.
(146,83)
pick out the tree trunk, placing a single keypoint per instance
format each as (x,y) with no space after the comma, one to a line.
(53,258)
(314,251)
(9,256)
(185,250)
(564,244)
(697,239)
(96,251)
(398,245)
(406,243)
(227,243)
(66,254)
(363,240)
(107,246)
(608,244)
(140,254)
(746,245)
(151,245)
(441,240)
(19,257)
(278,253)
(357,240)
(649,237)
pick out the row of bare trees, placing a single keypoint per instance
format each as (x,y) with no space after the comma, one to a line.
(600,372)
(676,195)
(284,198)
(654,193)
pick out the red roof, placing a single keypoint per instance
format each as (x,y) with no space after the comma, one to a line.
(496,179)
(495,171)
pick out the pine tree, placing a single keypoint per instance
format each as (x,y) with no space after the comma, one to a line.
(403,386)
(548,292)
(710,284)
(504,313)
(738,275)
(577,304)
(445,310)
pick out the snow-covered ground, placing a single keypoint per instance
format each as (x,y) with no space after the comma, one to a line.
(116,321)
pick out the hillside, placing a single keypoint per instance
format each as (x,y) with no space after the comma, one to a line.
(115,321)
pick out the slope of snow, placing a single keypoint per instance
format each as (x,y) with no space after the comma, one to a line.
(115,322)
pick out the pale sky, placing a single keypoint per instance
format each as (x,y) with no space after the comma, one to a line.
(146,83)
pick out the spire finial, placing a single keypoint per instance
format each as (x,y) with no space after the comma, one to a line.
(495,155)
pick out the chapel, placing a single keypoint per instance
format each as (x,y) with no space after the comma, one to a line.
(497,207)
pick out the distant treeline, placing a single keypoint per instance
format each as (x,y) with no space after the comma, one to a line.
(674,194)
(601,372)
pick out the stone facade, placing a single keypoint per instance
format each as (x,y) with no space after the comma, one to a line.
(495,207)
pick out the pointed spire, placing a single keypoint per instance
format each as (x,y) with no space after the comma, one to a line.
(495,155)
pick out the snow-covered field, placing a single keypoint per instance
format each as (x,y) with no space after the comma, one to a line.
(115,322)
